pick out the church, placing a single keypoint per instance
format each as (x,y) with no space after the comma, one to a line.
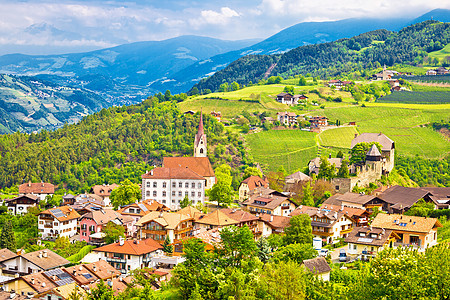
(181,176)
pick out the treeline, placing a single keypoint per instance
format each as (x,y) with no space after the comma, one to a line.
(424,171)
(366,51)
(110,146)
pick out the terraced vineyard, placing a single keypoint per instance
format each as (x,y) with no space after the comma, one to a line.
(417,97)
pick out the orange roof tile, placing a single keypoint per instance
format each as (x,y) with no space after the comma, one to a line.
(104,190)
(255,181)
(102,269)
(135,247)
(36,188)
(65,213)
(200,165)
(217,218)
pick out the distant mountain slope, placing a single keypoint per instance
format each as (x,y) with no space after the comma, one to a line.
(137,63)
(439,14)
(29,104)
(367,50)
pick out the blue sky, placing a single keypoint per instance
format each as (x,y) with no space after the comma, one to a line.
(84,25)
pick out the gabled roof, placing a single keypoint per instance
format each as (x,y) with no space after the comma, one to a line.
(333,161)
(189,211)
(7,296)
(103,216)
(239,215)
(132,247)
(32,197)
(6,254)
(38,282)
(386,143)
(217,218)
(172,173)
(165,219)
(46,262)
(81,274)
(285,113)
(284,94)
(276,222)
(405,223)
(102,269)
(350,211)
(271,201)
(62,213)
(255,181)
(145,207)
(349,197)
(317,265)
(36,188)
(104,190)
(382,236)
(402,196)
(299,176)
(200,165)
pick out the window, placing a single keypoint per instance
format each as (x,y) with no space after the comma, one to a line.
(173,193)
(180,184)
(199,194)
(91,228)
(180,193)
(186,185)
(83,226)
(154,193)
(164,201)
(164,193)
(173,184)
(199,185)
(164,184)
(193,185)
(192,194)
(84,233)
(148,183)
(186,193)
(147,193)
(155,184)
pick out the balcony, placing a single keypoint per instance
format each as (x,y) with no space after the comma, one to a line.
(184,230)
(153,231)
(321,233)
(346,231)
(116,260)
(48,226)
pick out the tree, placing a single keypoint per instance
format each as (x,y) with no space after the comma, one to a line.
(420,208)
(251,171)
(166,246)
(126,193)
(234,86)
(195,254)
(185,202)
(221,192)
(299,230)
(295,252)
(326,170)
(264,250)
(113,232)
(275,241)
(223,87)
(343,170)
(238,244)
(288,89)
(302,81)
(340,154)
(308,198)
(7,238)
(359,151)
(195,91)
(101,292)
(76,294)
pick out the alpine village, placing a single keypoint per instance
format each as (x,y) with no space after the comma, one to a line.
(317,172)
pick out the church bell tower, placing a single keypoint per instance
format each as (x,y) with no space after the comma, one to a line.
(200,140)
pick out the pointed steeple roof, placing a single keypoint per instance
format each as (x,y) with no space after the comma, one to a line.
(373,151)
(200,125)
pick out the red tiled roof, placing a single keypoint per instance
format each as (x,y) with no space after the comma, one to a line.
(36,188)
(255,181)
(172,173)
(200,165)
(239,215)
(68,213)
(136,247)
(104,190)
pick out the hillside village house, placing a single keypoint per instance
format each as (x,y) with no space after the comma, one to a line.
(291,180)
(104,191)
(40,189)
(368,241)
(170,185)
(319,267)
(217,115)
(243,218)
(92,223)
(127,255)
(139,209)
(290,99)
(314,164)
(58,222)
(249,184)
(211,238)
(287,118)
(418,232)
(318,121)
(338,84)
(214,220)
(359,215)
(326,223)
(158,225)
(32,262)
(270,224)
(21,204)
(264,200)
(348,199)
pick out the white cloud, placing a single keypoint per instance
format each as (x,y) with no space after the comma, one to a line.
(212,17)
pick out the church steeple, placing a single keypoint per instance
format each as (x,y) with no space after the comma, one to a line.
(200,140)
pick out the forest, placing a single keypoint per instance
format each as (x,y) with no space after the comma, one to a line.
(110,146)
(366,51)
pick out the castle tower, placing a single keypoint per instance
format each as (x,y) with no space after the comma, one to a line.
(200,140)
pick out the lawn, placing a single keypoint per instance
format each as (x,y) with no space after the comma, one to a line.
(291,149)
(441,54)
(338,137)
(400,124)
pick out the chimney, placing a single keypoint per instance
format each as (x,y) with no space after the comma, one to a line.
(94,268)
(45,254)
(151,172)
(300,207)
(356,135)
(121,241)
(12,294)
(342,206)
(80,268)
(336,215)
(137,242)
(43,284)
(329,156)
(40,254)
(29,183)
(271,218)
(32,280)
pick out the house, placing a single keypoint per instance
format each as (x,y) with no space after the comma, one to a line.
(139,209)
(170,185)
(13,296)
(440,196)
(94,222)
(40,189)
(431,72)
(318,121)
(215,220)
(89,198)
(319,267)
(418,232)
(398,199)
(217,115)
(359,215)
(314,164)
(243,217)
(442,71)
(159,225)
(387,147)
(199,165)
(32,262)
(189,112)
(249,184)
(264,200)
(63,292)
(209,237)
(287,118)
(102,270)
(104,191)
(326,224)
(285,98)
(270,224)
(348,199)
(30,285)
(69,199)
(291,180)
(21,204)
(368,241)
(58,222)
(338,84)
(81,274)
(127,255)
